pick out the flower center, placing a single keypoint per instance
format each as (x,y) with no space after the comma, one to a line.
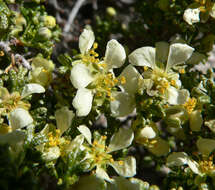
(190,105)
(54,138)
(207,165)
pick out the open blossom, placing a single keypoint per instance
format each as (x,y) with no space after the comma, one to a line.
(92,76)
(159,78)
(99,155)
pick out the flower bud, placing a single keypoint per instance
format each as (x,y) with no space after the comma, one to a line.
(49,21)
(111,11)
(45,33)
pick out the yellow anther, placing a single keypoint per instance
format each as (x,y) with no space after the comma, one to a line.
(173,83)
(162,90)
(57,131)
(123,80)
(95,45)
(112,98)
(95,142)
(1,53)
(182,71)
(4,129)
(99,94)
(44,70)
(190,105)
(153,142)
(96,54)
(145,68)
(115,80)
(104,137)
(121,162)
(112,160)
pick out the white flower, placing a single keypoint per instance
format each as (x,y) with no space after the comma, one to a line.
(100,155)
(89,70)
(158,63)
(191,16)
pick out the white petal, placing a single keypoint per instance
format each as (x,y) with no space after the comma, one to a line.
(64,118)
(176,96)
(127,169)
(148,132)
(80,76)
(20,118)
(101,173)
(84,130)
(194,166)
(31,89)
(122,139)
(132,79)
(75,145)
(144,56)
(162,50)
(196,120)
(51,154)
(191,16)
(122,105)
(177,159)
(212,12)
(205,146)
(83,102)
(114,55)
(86,40)
(178,54)
(161,148)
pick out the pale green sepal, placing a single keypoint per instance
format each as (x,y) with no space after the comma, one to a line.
(127,169)
(64,118)
(86,40)
(144,56)
(177,159)
(133,79)
(32,88)
(89,183)
(196,120)
(84,130)
(20,118)
(114,55)
(205,146)
(122,139)
(3,93)
(80,76)
(101,173)
(162,50)
(178,54)
(12,138)
(122,105)
(83,102)
(51,154)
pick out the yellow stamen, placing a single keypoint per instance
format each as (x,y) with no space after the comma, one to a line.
(120,162)
(1,53)
(123,80)
(182,71)
(145,68)
(190,105)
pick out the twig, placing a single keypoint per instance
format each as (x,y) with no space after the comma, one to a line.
(72,15)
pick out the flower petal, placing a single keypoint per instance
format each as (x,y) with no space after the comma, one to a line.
(101,173)
(132,79)
(122,105)
(162,50)
(86,40)
(127,168)
(205,146)
(194,166)
(178,54)
(31,89)
(177,159)
(147,132)
(51,154)
(80,76)
(63,118)
(212,12)
(144,56)
(12,138)
(176,96)
(161,148)
(83,102)
(191,16)
(114,55)
(84,130)
(75,145)
(122,139)
(20,118)
(196,120)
